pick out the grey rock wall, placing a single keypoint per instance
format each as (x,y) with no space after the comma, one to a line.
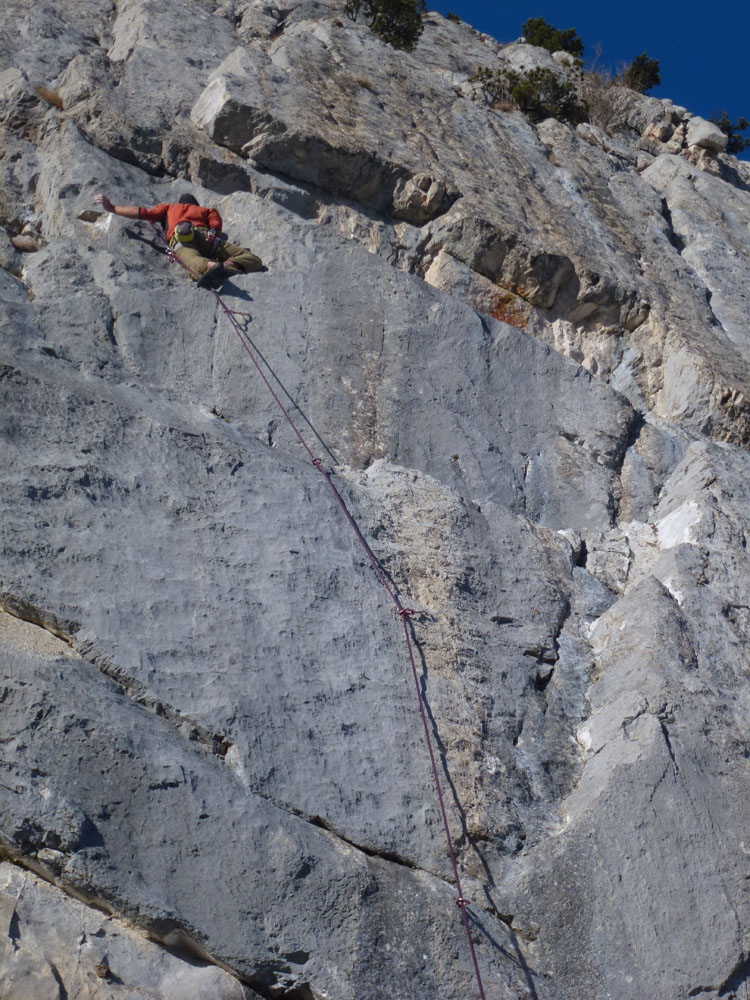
(521,352)
(54,941)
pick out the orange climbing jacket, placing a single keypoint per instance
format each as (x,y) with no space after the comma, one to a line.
(170,215)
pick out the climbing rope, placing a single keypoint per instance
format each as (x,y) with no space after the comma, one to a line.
(405,614)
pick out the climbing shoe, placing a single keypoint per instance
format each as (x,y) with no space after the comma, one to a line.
(214,275)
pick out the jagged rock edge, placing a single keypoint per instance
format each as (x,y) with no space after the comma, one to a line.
(177,938)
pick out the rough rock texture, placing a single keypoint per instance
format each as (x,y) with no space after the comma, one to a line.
(52,942)
(522,351)
(706,135)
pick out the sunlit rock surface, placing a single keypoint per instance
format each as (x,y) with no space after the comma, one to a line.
(522,352)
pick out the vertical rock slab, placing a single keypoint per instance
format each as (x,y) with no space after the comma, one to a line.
(651,852)
(208,728)
(140,820)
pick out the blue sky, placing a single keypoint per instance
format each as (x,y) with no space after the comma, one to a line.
(703,58)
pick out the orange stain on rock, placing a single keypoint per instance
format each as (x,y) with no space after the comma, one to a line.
(510,309)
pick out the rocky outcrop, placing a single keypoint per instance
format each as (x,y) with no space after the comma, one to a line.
(520,350)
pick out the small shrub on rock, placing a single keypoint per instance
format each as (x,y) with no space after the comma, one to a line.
(540,94)
(736,143)
(496,87)
(397,22)
(607,99)
(536,31)
(642,74)
(543,94)
(610,97)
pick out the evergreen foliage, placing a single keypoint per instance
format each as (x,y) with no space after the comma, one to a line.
(642,74)
(539,94)
(397,22)
(536,31)
(736,143)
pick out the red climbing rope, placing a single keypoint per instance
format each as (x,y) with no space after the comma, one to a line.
(405,614)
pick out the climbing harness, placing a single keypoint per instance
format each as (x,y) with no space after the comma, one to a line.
(405,614)
(187,233)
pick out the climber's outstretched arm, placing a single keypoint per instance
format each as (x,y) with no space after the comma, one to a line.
(128,211)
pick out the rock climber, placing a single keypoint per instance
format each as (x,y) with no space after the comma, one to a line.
(194,233)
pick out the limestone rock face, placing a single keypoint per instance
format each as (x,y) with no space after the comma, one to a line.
(54,943)
(706,135)
(520,355)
